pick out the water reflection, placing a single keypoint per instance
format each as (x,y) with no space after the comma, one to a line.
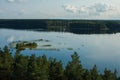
(100,49)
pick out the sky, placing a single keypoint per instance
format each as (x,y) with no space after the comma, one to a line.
(60,9)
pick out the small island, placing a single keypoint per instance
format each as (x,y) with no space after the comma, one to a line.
(23,46)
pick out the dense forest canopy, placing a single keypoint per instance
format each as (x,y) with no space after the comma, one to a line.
(20,67)
(75,26)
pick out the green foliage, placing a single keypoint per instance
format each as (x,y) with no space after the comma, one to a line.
(42,70)
(21,67)
(87,75)
(5,64)
(55,69)
(108,75)
(94,74)
(22,46)
(74,69)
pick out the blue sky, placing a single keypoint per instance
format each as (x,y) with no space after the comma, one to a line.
(60,9)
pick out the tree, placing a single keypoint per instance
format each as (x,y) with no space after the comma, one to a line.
(94,74)
(19,66)
(5,64)
(55,69)
(74,69)
(40,68)
(1,57)
(42,71)
(108,75)
(32,68)
(87,75)
(115,74)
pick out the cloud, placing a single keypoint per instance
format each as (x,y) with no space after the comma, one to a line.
(100,8)
(21,0)
(21,12)
(83,9)
(92,10)
(70,8)
(11,0)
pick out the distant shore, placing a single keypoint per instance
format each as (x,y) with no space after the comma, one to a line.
(74,26)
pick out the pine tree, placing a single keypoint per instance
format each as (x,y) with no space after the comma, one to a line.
(6,64)
(74,70)
(1,65)
(42,71)
(115,74)
(39,68)
(32,68)
(95,74)
(87,75)
(55,69)
(19,66)
(108,75)
(1,57)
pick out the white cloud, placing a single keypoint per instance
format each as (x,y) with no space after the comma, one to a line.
(11,0)
(70,8)
(100,7)
(96,9)
(21,12)
(22,0)
(16,0)
(83,9)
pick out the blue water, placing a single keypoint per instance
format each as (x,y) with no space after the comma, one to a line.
(100,49)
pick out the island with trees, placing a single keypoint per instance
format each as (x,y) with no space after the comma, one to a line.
(23,46)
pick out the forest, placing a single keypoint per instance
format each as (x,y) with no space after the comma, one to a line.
(21,67)
(74,26)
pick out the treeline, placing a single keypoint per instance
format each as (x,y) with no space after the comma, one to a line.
(75,26)
(23,24)
(20,67)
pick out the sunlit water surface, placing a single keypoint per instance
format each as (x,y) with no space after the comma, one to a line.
(100,49)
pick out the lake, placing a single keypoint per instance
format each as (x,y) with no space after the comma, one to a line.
(100,49)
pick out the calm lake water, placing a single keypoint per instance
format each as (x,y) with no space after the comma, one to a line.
(100,49)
